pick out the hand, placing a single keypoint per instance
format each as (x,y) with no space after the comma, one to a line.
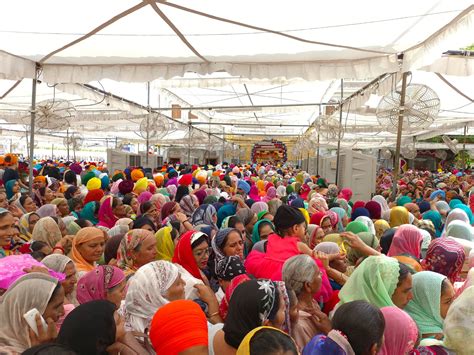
(66,243)
(353,240)
(323,257)
(35,268)
(44,335)
(15,211)
(181,217)
(321,320)
(206,294)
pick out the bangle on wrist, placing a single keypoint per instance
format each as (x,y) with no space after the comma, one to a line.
(214,314)
(59,248)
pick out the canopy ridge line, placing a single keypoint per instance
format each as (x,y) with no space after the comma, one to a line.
(95,30)
(296,38)
(11,89)
(175,29)
(446,81)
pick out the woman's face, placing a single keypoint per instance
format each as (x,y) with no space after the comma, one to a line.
(119,211)
(117,293)
(92,250)
(48,195)
(153,213)
(447,298)
(134,205)
(77,193)
(147,227)
(241,228)
(176,290)
(326,226)
(16,187)
(55,307)
(279,319)
(7,229)
(315,284)
(70,280)
(249,227)
(3,200)
(317,237)
(63,209)
(146,253)
(29,205)
(265,230)
(403,293)
(201,254)
(234,245)
(339,264)
(345,221)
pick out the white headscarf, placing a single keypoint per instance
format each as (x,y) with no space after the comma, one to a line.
(456,214)
(33,290)
(368,222)
(146,293)
(382,202)
(459,324)
(56,262)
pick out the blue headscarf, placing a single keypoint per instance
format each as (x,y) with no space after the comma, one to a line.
(435,217)
(298,203)
(341,213)
(467,210)
(9,188)
(437,193)
(225,211)
(361,211)
(424,206)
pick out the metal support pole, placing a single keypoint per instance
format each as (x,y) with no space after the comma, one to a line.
(52,151)
(339,133)
(401,112)
(189,142)
(317,158)
(147,125)
(464,151)
(67,145)
(32,130)
(116,142)
(223,145)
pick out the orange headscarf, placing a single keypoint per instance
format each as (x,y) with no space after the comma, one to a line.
(83,236)
(178,326)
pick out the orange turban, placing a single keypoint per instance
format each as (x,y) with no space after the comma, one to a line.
(159,179)
(136,174)
(178,326)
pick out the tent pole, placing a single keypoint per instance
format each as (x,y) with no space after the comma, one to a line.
(339,133)
(52,151)
(464,151)
(223,144)
(189,143)
(147,125)
(317,158)
(401,112)
(67,145)
(32,129)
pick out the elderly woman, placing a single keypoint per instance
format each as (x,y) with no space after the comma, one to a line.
(105,282)
(87,248)
(34,290)
(301,274)
(27,223)
(46,230)
(63,207)
(136,249)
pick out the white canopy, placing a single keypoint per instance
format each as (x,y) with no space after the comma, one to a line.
(138,41)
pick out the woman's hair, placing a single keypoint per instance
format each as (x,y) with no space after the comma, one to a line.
(38,255)
(127,199)
(297,270)
(269,341)
(56,291)
(362,323)
(83,223)
(181,192)
(202,238)
(115,202)
(42,191)
(74,202)
(143,221)
(233,221)
(145,207)
(70,177)
(37,245)
(403,273)
(23,198)
(176,226)
(49,349)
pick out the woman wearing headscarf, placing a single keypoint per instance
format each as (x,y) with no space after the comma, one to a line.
(27,223)
(137,248)
(432,297)
(48,210)
(368,222)
(380,226)
(317,204)
(261,230)
(379,281)
(227,242)
(357,227)
(229,209)
(87,248)
(273,206)
(12,189)
(46,230)
(34,290)
(192,253)
(65,265)
(346,194)
(322,219)
(205,215)
(105,282)
(188,205)
(407,240)
(375,210)
(398,216)
(248,219)
(400,334)
(369,239)
(90,212)
(253,303)
(468,212)
(359,212)
(165,244)
(454,215)
(63,207)
(461,230)
(107,218)
(153,285)
(25,203)
(258,207)
(446,257)
(435,217)
(342,219)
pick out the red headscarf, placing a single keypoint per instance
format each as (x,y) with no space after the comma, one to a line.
(236,281)
(358,204)
(346,194)
(183,254)
(317,217)
(407,240)
(178,326)
(374,209)
(106,214)
(93,195)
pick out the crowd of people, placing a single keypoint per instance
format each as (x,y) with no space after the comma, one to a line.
(233,259)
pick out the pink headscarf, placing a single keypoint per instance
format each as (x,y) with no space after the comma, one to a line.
(346,194)
(401,332)
(144,197)
(106,214)
(317,204)
(94,285)
(115,187)
(407,240)
(258,207)
(253,194)
(172,189)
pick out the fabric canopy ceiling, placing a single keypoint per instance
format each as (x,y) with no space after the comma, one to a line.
(138,41)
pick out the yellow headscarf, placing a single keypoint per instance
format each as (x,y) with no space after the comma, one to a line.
(381,226)
(141,185)
(244,347)
(398,216)
(164,244)
(305,214)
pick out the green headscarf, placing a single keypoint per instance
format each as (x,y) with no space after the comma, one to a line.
(374,281)
(261,214)
(403,200)
(357,227)
(289,189)
(256,234)
(321,182)
(369,239)
(209,200)
(88,213)
(424,308)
